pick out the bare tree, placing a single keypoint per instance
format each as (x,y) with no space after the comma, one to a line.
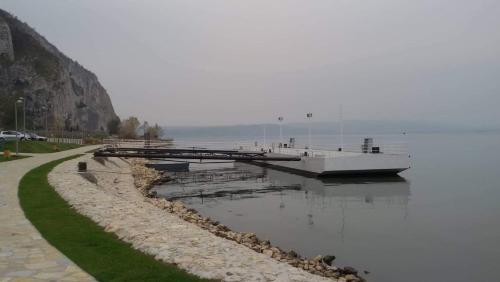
(155,132)
(128,128)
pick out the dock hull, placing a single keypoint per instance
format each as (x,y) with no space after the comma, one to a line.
(344,165)
(172,167)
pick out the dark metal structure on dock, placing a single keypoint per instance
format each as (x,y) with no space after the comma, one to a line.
(195,153)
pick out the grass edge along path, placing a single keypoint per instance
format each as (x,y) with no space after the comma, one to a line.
(99,253)
(41,147)
(12,158)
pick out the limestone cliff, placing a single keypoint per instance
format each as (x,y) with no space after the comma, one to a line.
(52,84)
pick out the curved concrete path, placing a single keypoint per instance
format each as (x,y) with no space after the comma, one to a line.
(24,254)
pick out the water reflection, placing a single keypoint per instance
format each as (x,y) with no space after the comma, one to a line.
(324,195)
(241,192)
(391,189)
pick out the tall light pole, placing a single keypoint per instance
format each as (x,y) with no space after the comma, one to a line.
(18,102)
(46,110)
(23,101)
(309,117)
(280,119)
(24,115)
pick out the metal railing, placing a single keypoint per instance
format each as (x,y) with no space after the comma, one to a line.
(386,148)
(223,145)
(77,141)
(71,134)
(394,148)
(136,143)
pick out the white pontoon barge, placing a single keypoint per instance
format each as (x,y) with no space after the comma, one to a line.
(363,159)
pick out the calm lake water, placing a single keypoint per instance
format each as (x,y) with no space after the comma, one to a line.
(439,221)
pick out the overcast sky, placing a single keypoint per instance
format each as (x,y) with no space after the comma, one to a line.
(227,62)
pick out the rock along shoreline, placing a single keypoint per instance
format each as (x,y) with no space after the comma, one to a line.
(146,178)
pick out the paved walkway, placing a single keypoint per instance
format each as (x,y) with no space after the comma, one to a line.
(24,254)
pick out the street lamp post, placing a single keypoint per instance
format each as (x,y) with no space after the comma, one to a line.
(22,100)
(309,117)
(24,115)
(19,101)
(46,110)
(47,122)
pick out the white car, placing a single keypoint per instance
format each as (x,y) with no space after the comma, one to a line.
(11,135)
(36,137)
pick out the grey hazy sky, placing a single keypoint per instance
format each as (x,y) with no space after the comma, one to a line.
(225,62)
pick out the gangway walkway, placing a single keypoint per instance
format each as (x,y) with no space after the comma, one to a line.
(195,153)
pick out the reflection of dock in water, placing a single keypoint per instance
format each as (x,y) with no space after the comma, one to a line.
(320,208)
(340,197)
(213,176)
(243,178)
(366,189)
(215,183)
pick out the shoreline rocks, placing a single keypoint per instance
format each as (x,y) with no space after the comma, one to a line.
(145,178)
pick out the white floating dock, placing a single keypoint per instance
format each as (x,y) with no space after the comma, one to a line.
(368,160)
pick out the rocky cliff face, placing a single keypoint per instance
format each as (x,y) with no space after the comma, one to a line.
(55,88)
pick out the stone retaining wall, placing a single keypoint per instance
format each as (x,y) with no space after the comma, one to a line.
(174,234)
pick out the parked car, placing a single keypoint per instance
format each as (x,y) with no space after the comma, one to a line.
(11,135)
(24,135)
(36,137)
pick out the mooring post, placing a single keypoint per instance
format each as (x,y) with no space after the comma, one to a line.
(82,166)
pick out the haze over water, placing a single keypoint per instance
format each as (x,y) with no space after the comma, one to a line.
(437,222)
(223,62)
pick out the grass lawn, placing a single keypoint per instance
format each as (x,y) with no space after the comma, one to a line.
(12,158)
(38,147)
(99,253)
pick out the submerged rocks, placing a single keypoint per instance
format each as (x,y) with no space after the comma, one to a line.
(349,270)
(351,278)
(328,259)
